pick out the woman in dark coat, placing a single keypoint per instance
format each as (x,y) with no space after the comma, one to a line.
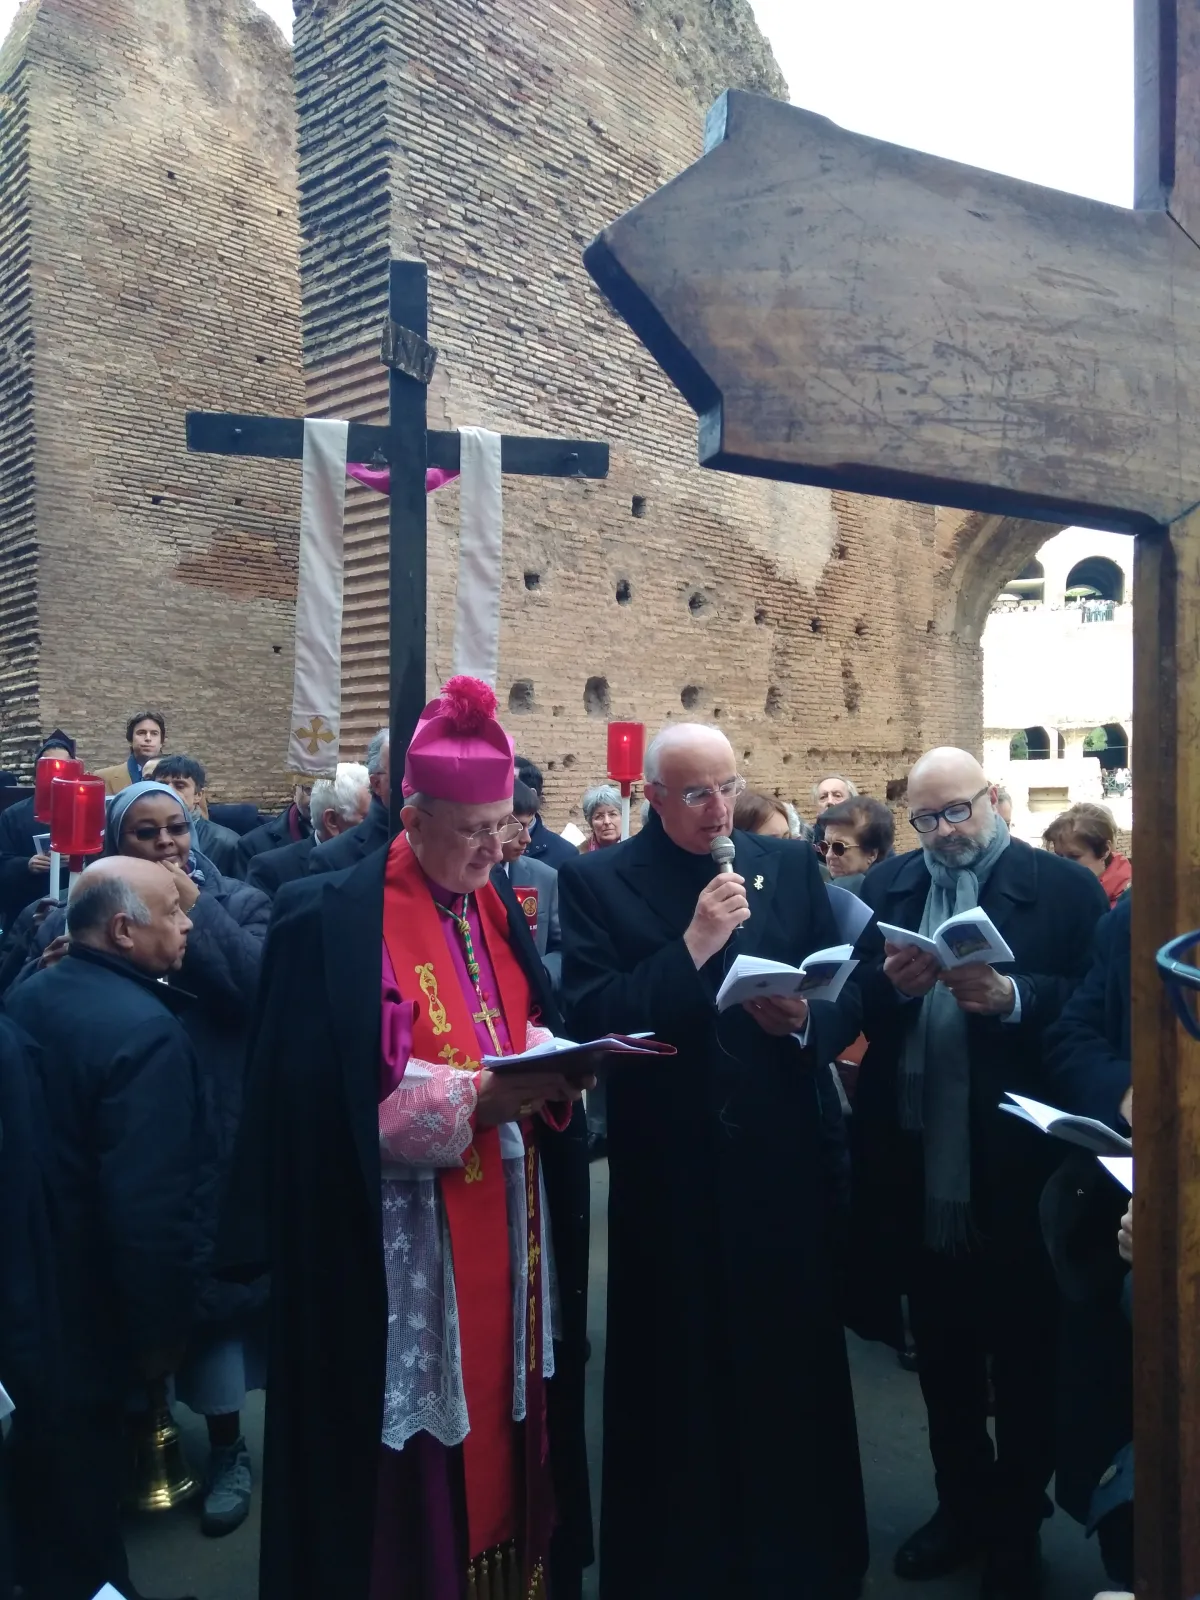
(220,970)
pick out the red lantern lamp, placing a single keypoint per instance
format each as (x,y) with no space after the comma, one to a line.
(49,768)
(626,747)
(77,818)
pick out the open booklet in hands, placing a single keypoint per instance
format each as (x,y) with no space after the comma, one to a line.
(578,1060)
(820,976)
(969,937)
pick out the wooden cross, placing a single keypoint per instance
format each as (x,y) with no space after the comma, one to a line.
(407,446)
(844,312)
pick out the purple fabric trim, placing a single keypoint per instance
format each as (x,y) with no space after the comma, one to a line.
(395,1033)
(380,478)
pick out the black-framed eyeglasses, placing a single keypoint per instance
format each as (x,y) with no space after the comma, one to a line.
(958,811)
(147,832)
(835,847)
(1182,978)
(729,790)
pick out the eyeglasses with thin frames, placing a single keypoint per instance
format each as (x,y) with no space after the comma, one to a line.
(502,833)
(729,790)
(957,811)
(836,847)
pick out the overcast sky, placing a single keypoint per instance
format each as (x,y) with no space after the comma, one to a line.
(1041,89)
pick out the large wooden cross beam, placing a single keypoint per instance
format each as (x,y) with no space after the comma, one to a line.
(844,312)
(407,447)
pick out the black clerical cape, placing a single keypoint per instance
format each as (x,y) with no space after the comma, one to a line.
(730,1452)
(305,1201)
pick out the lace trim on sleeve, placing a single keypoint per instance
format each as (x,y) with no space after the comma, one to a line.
(426,1121)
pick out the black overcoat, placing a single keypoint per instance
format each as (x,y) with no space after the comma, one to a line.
(271,869)
(356,844)
(1088,1061)
(1046,908)
(306,1200)
(731,1456)
(270,835)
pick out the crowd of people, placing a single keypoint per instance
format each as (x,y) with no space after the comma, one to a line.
(258,1130)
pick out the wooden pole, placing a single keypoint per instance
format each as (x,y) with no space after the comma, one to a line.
(1166,1063)
(408,306)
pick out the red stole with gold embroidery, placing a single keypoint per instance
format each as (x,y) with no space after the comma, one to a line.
(473,1195)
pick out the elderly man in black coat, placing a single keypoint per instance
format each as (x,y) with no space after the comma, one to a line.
(371,834)
(946,1186)
(731,1460)
(226,1352)
(336,805)
(130,1178)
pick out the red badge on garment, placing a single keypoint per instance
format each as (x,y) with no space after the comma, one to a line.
(528,900)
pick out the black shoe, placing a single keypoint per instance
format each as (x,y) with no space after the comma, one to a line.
(1014,1570)
(942,1546)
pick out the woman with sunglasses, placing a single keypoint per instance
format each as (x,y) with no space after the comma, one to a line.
(855,835)
(226,1355)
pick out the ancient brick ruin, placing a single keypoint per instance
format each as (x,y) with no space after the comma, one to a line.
(153,216)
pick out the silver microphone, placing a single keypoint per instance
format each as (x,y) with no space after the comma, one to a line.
(721,850)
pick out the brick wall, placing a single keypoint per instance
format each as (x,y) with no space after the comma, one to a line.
(819,630)
(18,545)
(159,216)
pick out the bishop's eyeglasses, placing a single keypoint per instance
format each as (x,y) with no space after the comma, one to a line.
(503,832)
(957,811)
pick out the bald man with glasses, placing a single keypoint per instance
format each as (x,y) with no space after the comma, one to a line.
(946,1186)
(730,1449)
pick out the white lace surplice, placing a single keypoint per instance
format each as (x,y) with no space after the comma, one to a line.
(425,1125)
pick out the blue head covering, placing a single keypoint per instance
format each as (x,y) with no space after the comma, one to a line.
(119,805)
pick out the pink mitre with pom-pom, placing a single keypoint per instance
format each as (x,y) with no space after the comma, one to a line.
(459,751)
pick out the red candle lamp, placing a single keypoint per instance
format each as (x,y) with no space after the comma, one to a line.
(626,747)
(77,818)
(49,768)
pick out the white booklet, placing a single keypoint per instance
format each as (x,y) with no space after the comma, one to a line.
(1121,1168)
(1086,1132)
(850,914)
(971,936)
(820,976)
(564,1055)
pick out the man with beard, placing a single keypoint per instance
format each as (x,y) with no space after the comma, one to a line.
(730,1452)
(946,1185)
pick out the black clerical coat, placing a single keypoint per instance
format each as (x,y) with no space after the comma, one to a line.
(730,1452)
(306,1201)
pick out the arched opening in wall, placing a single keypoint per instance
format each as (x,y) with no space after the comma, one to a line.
(1110,746)
(1062,746)
(1029,744)
(1027,588)
(1095,578)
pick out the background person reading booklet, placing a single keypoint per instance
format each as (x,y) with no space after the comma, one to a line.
(1086,1132)
(969,937)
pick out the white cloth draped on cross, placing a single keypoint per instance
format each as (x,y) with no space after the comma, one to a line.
(313,742)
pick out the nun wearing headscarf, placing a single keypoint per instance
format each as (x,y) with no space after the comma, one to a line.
(220,974)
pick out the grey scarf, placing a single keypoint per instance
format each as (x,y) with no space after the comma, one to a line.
(935,1083)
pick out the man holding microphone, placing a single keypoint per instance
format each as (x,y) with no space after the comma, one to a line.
(731,1455)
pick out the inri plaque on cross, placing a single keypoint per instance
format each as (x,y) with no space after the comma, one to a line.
(844,312)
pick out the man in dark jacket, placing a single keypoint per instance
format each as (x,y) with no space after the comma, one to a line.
(725,1473)
(125,1109)
(1088,1072)
(946,1185)
(289,827)
(24,869)
(336,805)
(544,845)
(225,1356)
(373,832)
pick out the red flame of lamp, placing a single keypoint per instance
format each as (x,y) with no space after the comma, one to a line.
(77,818)
(626,749)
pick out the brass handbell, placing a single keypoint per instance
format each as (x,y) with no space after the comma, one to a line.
(159,1475)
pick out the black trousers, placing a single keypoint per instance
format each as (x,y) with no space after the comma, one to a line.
(66,1484)
(963,1312)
